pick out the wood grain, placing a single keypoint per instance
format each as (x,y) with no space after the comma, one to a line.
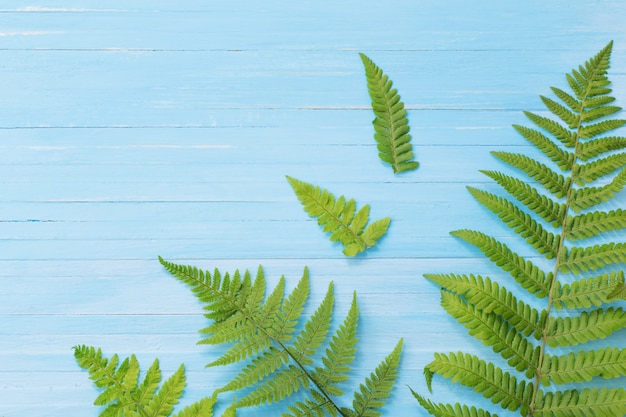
(135,129)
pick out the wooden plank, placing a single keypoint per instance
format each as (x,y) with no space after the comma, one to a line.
(130,130)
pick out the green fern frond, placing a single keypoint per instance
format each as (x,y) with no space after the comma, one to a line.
(579,168)
(391,124)
(280,351)
(340,218)
(123,395)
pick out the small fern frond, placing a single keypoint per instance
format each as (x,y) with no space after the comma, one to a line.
(391,124)
(281,353)
(123,395)
(339,217)
(580,168)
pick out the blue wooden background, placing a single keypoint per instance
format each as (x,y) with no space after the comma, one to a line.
(137,128)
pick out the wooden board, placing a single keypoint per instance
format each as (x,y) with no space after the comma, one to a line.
(133,129)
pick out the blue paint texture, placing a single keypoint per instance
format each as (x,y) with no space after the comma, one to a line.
(132,129)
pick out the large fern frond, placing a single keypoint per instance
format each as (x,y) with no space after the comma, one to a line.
(281,354)
(123,395)
(340,218)
(391,124)
(580,168)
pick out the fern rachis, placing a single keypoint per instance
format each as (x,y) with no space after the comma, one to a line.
(280,360)
(550,220)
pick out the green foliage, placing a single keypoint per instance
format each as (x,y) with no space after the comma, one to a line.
(123,395)
(541,348)
(340,218)
(391,125)
(282,355)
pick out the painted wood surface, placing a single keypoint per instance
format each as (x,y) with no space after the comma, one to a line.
(132,129)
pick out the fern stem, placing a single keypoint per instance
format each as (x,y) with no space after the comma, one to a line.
(561,247)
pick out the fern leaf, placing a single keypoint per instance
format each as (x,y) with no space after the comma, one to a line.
(592,148)
(500,387)
(338,217)
(340,353)
(577,144)
(564,135)
(593,325)
(449,410)
(544,242)
(378,386)
(162,404)
(577,260)
(549,210)
(494,331)
(561,157)
(584,198)
(315,330)
(282,354)
(583,366)
(557,184)
(595,223)
(525,273)
(605,402)
(489,297)
(391,124)
(123,396)
(588,292)
(202,408)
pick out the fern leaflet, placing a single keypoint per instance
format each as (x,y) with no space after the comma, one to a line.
(537,346)
(391,125)
(124,396)
(280,360)
(340,218)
